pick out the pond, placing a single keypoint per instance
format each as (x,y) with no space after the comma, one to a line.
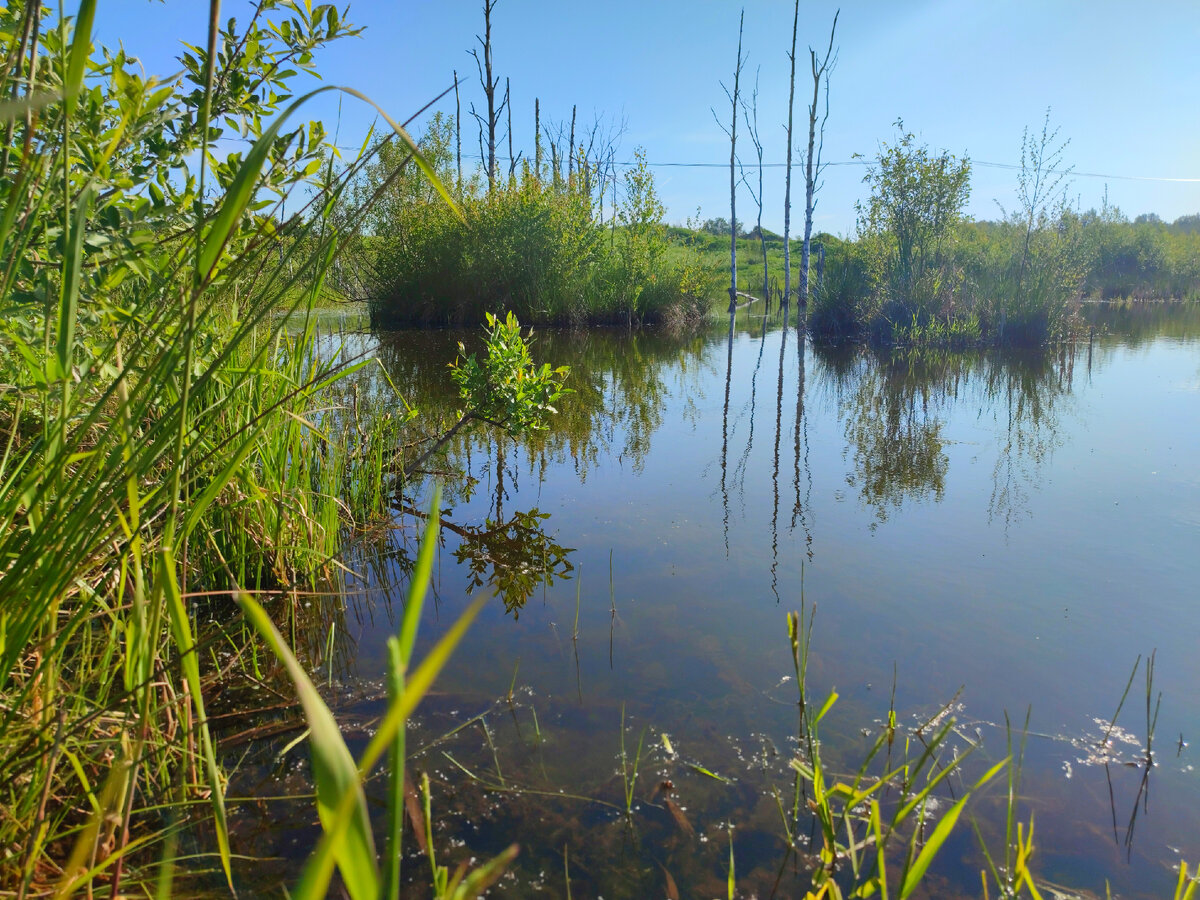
(980,534)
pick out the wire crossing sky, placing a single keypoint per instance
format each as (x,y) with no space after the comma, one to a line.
(1121,83)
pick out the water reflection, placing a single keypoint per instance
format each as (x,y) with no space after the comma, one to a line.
(620,384)
(514,556)
(975,444)
(894,408)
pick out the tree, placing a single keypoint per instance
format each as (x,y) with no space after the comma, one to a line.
(812,168)
(917,198)
(751,114)
(720,226)
(644,234)
(733,164)
(490,85)
(787,190)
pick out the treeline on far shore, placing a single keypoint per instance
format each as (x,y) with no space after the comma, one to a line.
(566,239)
(1112,257)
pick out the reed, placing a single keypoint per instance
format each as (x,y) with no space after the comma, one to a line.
(165,441)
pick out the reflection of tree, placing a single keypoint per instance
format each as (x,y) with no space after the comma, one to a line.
(800,509)
(897,444)
(514,556)
(1023,392)
(618,379)
(894,407)
(775,467)
(1138,323)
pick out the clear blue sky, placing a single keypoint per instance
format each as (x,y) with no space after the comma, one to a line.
(1121,79)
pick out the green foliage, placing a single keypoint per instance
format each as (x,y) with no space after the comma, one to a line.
(838,302)
(535,247)
(164,437)
(347,842)
(505,388)
(907,225)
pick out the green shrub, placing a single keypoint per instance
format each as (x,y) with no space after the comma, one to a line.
(535,248)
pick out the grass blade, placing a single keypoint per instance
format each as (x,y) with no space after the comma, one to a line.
(341,803)
(182,630)
(314,881)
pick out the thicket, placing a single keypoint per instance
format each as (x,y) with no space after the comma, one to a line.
(920,273)
(167,445)
(537,245)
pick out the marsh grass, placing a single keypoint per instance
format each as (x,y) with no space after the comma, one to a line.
(629,773)
(164,442)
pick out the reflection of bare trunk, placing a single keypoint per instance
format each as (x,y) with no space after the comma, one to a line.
(775,470)
(800,441)
(725,433)
(500,479)
(743,463)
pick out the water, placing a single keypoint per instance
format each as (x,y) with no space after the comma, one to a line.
(1000,533)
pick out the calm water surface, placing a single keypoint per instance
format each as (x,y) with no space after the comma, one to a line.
(1002,533)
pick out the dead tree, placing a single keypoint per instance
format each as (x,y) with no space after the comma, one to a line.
(813,172)
(571,152)
(458,129)
(512,159)
(489,91)
(537,139)
(733,166)
(751,115)
(555,170)
(787,190)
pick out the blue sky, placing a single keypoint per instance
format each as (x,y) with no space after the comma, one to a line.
(1121,80)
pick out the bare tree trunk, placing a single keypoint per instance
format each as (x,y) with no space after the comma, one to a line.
(737,75)
(787,190)
(537,139)
(458,130)
(571,152)
(555,169)
(512,160)
(810,173)
(489,89)
(751,116)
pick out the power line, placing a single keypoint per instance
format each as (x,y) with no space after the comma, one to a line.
(670,164)
(627,164)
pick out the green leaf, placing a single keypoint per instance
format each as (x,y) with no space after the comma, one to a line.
(314,881)
(81,46)
(913,876)
(420,579)
(68,310)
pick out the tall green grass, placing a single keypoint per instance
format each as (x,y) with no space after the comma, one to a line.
(162,435)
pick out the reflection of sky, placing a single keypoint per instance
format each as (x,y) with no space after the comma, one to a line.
(1046,602)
